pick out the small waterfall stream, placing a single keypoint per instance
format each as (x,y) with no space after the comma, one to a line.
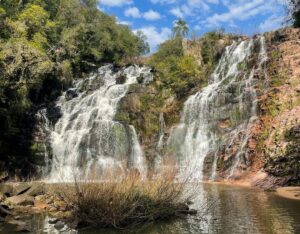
(86,141)
(218,118)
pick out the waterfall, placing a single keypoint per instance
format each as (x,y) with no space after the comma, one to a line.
(86,141)
(216,120)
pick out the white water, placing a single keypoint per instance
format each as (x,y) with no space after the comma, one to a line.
(230,97)
(86,141)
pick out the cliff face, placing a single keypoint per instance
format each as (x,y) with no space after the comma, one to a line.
(274,143)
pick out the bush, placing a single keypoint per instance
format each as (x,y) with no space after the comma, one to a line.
(130,202)
(177,71)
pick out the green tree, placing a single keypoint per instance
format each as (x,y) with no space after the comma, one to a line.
(180,28)
(143,45)
(294,12)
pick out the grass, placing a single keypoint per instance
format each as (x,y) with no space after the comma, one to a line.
(128,203)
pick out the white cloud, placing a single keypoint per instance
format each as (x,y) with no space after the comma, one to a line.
(114,3)
(271,23)
(133,12)
(151,15)
(155,36)
(164,1)
(176,11)
(242,11)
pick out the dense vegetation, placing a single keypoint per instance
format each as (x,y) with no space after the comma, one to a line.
(294,11)
(180,71)
(43,45)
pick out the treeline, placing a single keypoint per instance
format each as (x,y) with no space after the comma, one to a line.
(43,45)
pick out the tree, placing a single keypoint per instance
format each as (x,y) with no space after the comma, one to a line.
(294,12)
(180,29)
(143,45)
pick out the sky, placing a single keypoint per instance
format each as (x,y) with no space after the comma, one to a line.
(156,17)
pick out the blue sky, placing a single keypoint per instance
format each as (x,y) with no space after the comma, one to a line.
(156,17)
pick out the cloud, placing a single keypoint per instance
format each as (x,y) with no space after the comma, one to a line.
(151,15)
(115,3)
(176,11)
(164,1)
(241,11)
(271,23)
(155,36)
(133,12)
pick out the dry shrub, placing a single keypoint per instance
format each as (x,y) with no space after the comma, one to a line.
(128,203)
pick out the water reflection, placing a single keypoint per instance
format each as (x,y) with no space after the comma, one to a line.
(233,210)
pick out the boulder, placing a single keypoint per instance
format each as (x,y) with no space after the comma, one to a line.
(59,225)
(37,188)
(71,93)
(21,226)
(21,200)
(121,79)
(21,188)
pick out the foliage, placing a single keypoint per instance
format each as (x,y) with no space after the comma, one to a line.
(294,11)
(127,203)
(177,71)
(180,28)
(50,42)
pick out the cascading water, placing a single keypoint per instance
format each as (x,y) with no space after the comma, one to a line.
(86,141)
(216,120)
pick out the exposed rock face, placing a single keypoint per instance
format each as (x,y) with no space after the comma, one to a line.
(275,141)
(194,49)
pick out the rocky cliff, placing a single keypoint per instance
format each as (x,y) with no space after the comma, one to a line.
(273,147)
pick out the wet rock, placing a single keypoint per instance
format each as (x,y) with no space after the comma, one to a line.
(71,93)
(53,221)
(59,225)
(53,113)
(121,79)
(21,200)
(145,78)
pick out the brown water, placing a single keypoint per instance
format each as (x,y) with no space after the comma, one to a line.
(236,210)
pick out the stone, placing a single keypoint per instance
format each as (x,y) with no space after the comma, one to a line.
(53,221)
(21,200)
(121,79)
(71,93)
(21,188)
(21,225)
(59,225)
(6,188)
(37,188)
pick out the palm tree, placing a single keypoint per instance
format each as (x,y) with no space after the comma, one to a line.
(180,29)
